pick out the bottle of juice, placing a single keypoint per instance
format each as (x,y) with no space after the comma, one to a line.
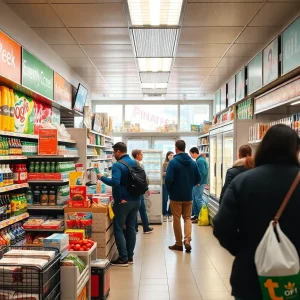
(12,111)
(5,108)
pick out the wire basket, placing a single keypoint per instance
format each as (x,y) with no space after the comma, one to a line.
(41,283)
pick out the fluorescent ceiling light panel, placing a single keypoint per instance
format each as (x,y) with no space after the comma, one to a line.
(155,64)
(154,42)
(295,103)
(154,91)
(154,85)
(155,12)
(157,77)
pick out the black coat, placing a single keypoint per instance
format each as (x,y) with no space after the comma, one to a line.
(249,204)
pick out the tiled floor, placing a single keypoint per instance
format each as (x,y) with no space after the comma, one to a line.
(161,274)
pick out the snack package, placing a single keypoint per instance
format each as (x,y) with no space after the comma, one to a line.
(24,114)
(80,220)
(63,195)
(57,240)
(42,113)
(78,193)
(75,235)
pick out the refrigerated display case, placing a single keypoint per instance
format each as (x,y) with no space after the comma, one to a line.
(152,163)
(225,141)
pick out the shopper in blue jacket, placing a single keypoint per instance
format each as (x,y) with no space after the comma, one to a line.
(125,208)
(182,175)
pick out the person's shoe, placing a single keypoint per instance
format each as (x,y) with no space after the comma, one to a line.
(130,260)
(170,219)
(187,246)
(176,248)
(119,263)
(195,221)
(148,231)
(194,218)
(165,218)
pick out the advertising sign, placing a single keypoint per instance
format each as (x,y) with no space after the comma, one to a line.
(270,62)
(291,47)
(36,75)
(218,101)
(10,58)
(240,85)
(223,97)
(231,91)
(62,91)
(255,73)
(47,144)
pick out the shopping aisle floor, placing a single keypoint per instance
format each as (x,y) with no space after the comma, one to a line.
(161,274)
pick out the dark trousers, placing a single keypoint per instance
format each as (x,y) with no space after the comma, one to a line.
(125,214)
(144,216)
(165,198)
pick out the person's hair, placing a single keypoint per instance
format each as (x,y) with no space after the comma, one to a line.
(120,147)
(279,146)
(167,155)
(136,152)
(194,150)
(244,151)
(180,145)
(249,163)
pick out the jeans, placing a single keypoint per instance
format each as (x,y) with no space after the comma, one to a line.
(144,216)
(197,199)
(166,211)
(183,209)
(125,214)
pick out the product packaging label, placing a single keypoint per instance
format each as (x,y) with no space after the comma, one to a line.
(42,113)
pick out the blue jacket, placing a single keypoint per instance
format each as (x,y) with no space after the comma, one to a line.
(182,175)
(119,180)
(203,168)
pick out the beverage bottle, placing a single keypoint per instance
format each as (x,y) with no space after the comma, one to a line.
(11,175)
(48,167)
(22,174)
(19,205)
(12,237)
(53,167)
(2,208)
(16,174)
(44,196)
(1,145)
(29,196)
(42,169)
(8,206)
(10,149)
(31,167)
(6,147)
(5,97)
(37,167)
(12,110)
(1,177)
(36,196)
(26,172)
(5,176)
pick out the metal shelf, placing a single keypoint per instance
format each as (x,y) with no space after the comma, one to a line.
(62,229)
(97,146)
(101,159)
(101,134)
(13,157)
(49,181)
(12,187)
(40,207)
(52,156)
(13,220)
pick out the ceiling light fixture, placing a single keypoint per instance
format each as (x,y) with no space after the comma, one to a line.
(154,85)
(155,12)
(155,64)
(295,103)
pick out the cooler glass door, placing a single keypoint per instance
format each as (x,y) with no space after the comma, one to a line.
(227,153)
(212,166)
(219,161)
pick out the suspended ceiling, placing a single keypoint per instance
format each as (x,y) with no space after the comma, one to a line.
(217,39)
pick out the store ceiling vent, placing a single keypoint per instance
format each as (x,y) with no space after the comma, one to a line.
(154,96)
(155,77)
(154,91)
(154,42)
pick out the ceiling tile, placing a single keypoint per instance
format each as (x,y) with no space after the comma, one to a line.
(81,62)
(108,50)
(37,15)
(258,35)
(276,14)
(118,63)
(202,50)
(204,62)
(211,35)
(68,50)
(57,36)
(117,78)
(223,71)
(120,72)
(96,36)
(244,50)
(91,71)
(219,14)
(233,62)
(191,71)
(93,79)
(92,15)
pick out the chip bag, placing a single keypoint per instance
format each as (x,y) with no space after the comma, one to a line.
(111,211)
(203,219)
(277,260)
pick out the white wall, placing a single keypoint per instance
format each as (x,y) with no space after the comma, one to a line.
(17,29)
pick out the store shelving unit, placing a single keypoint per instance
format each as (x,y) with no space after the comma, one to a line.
(49,181)
(40,207)
(13,187)
(203,144)
(62,229)
(13,220)
(13,157)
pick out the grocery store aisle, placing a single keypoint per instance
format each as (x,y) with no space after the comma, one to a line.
(161,274)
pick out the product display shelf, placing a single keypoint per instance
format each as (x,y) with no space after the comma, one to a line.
(12,187)
(203,144)
(98,133)
(13,220)
(97,146)
(102,159)
(13,157)
(52,156)
(61,229)
(40,207)
(49,181)
(72,284)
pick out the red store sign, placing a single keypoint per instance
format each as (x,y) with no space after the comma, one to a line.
(285,93)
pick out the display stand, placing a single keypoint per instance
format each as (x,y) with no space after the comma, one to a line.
(203,144)
(72,282)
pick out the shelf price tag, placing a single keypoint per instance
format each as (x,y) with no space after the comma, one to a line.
(48,142)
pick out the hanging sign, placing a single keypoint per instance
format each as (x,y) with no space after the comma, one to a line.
(48,142)
(255,74)
(36,75)
(240,85)
(10,58)
(62,91)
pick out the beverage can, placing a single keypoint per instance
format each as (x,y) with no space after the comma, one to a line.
(48,167)
(42,169)
(37,167)
(53,168)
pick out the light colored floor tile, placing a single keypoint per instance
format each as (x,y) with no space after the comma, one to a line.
(154,288)
(154,296)
(154,281)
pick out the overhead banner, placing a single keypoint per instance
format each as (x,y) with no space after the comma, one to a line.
(36,75)
(270,62)
(62,91)
(291,47)
(10,58)
(255,74)
(231,91)
(240,85)
(218,101)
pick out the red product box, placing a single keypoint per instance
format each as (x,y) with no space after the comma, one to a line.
(78,193)
(45,176)
(75,235)
(42,113)
(79,204)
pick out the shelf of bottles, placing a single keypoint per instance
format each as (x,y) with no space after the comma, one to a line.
(13,220)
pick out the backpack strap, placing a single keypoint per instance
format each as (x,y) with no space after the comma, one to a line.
(124,163)
(287,198)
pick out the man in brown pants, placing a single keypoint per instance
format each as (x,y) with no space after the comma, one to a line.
(182,175)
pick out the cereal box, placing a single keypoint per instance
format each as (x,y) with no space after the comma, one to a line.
(76,178)
(75,235)
(78,193)
(42,113)
(57,240)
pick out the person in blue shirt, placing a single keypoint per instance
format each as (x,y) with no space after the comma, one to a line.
(182,175)
(198,189)
(125,208)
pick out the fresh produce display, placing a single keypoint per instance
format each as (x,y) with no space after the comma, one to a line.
(74,260)
(81,245)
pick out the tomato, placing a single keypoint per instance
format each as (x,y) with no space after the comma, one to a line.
(81,249)
(85,242)
(84,248)
(89,245)
(77,247)
(88,249)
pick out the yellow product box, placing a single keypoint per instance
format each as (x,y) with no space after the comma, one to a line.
(76,178)
(75,235)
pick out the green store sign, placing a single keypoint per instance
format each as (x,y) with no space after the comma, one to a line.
(291,47)
(36,75)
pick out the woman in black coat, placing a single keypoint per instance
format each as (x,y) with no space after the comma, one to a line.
(251,201)
(244,163)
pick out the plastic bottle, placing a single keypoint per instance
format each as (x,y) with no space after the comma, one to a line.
(53,168)
(26,172)
(12,110)
(1,177)
(29,196)
(31,167)
(10,175)
(8,206)
(48,167)
(5,176)
(43,168)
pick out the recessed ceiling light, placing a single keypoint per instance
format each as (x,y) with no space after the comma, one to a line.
(154,85)
(155,64)
(155,12)
(295,103)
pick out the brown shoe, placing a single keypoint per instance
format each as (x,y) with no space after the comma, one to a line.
(188,247)
(195,221)
(176,248)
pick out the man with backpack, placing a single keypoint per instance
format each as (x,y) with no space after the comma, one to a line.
(128,183)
